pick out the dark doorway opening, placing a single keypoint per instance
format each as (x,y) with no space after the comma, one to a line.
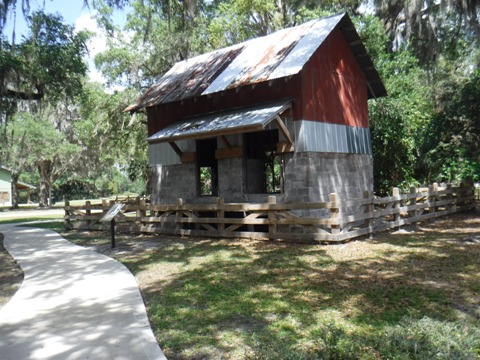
(265,166)
(207,167)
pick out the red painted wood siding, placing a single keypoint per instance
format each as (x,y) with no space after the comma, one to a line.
(331,88)
(334,88)
(165,114)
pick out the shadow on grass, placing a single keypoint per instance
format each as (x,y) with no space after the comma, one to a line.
(228,297)
(411,295)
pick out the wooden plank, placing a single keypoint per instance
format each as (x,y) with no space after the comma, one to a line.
(284,130)
(272,217)
(246,234)
(225,141)
(188,157)
(220,213)
(285,147)
(175,148)
(227,153)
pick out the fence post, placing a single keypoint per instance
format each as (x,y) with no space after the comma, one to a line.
(449,197)
(470,193)
(367,195)
(396,194)
(334,212)
(220,214)
(104,206)
(66,219)
(141,208)
(88,213)
(178,214)
(272,224)
(432,198)
(413,203)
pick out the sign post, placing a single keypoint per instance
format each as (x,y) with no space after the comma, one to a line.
(110,216)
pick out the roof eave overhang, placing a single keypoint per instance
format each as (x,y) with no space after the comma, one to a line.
(375,85)
(210,134)
(277,108)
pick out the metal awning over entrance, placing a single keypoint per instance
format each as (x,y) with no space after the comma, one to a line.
(241,120)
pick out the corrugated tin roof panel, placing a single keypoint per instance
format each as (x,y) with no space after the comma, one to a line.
(188,78)
(281,54)
(239,120)
(318,31)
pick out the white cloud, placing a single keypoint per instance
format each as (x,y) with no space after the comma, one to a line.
(96,44)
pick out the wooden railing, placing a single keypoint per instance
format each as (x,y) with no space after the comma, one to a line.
(333,221)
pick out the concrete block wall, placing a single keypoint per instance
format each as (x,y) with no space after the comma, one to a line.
(231,179)
(313,176)
(309,177)
(170,182)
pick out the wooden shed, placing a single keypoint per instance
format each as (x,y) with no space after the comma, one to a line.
(283,114)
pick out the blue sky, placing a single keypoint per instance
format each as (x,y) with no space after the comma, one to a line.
(74,13)
(71,10)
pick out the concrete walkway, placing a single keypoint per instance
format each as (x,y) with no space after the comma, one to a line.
(73,304)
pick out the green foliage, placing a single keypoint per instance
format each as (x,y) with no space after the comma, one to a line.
(206,181)
(47,63)
(397,121)
(451,148)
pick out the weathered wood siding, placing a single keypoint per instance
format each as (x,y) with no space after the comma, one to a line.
(334,87)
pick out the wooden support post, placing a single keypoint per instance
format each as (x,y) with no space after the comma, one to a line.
(431,199)
(284,130)
(220,214)
(143,207)
(179,214)
(88,213)
(175,148)
(396,193)
(413,202)
(334,213)
(66,222)
(225,141)
(435,189)
(369,210)
(272,215)
(104,206)
(449,197)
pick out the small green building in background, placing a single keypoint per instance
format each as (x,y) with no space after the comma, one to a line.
(5,186)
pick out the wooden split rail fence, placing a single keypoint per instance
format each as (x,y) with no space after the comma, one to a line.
(334,221)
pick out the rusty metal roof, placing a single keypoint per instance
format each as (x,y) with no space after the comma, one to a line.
(252,118)
(280,54)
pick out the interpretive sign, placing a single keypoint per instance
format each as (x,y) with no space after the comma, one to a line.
(110,216)
(112,212)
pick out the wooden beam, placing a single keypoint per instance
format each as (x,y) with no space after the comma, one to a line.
(284,130)
(176,148)
(228,153)
(188,157)
(284,147)
(225,141)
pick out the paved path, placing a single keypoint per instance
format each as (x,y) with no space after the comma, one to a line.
(31,213)
(73,304)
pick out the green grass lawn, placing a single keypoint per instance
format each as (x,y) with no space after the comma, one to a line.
(398,296)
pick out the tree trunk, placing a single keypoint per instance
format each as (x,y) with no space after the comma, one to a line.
(15,176)
(45,168)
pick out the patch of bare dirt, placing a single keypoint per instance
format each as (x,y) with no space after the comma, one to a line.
(11,276)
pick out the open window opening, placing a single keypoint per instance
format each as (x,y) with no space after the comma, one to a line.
(207,166)
(265,166)
(274,166)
